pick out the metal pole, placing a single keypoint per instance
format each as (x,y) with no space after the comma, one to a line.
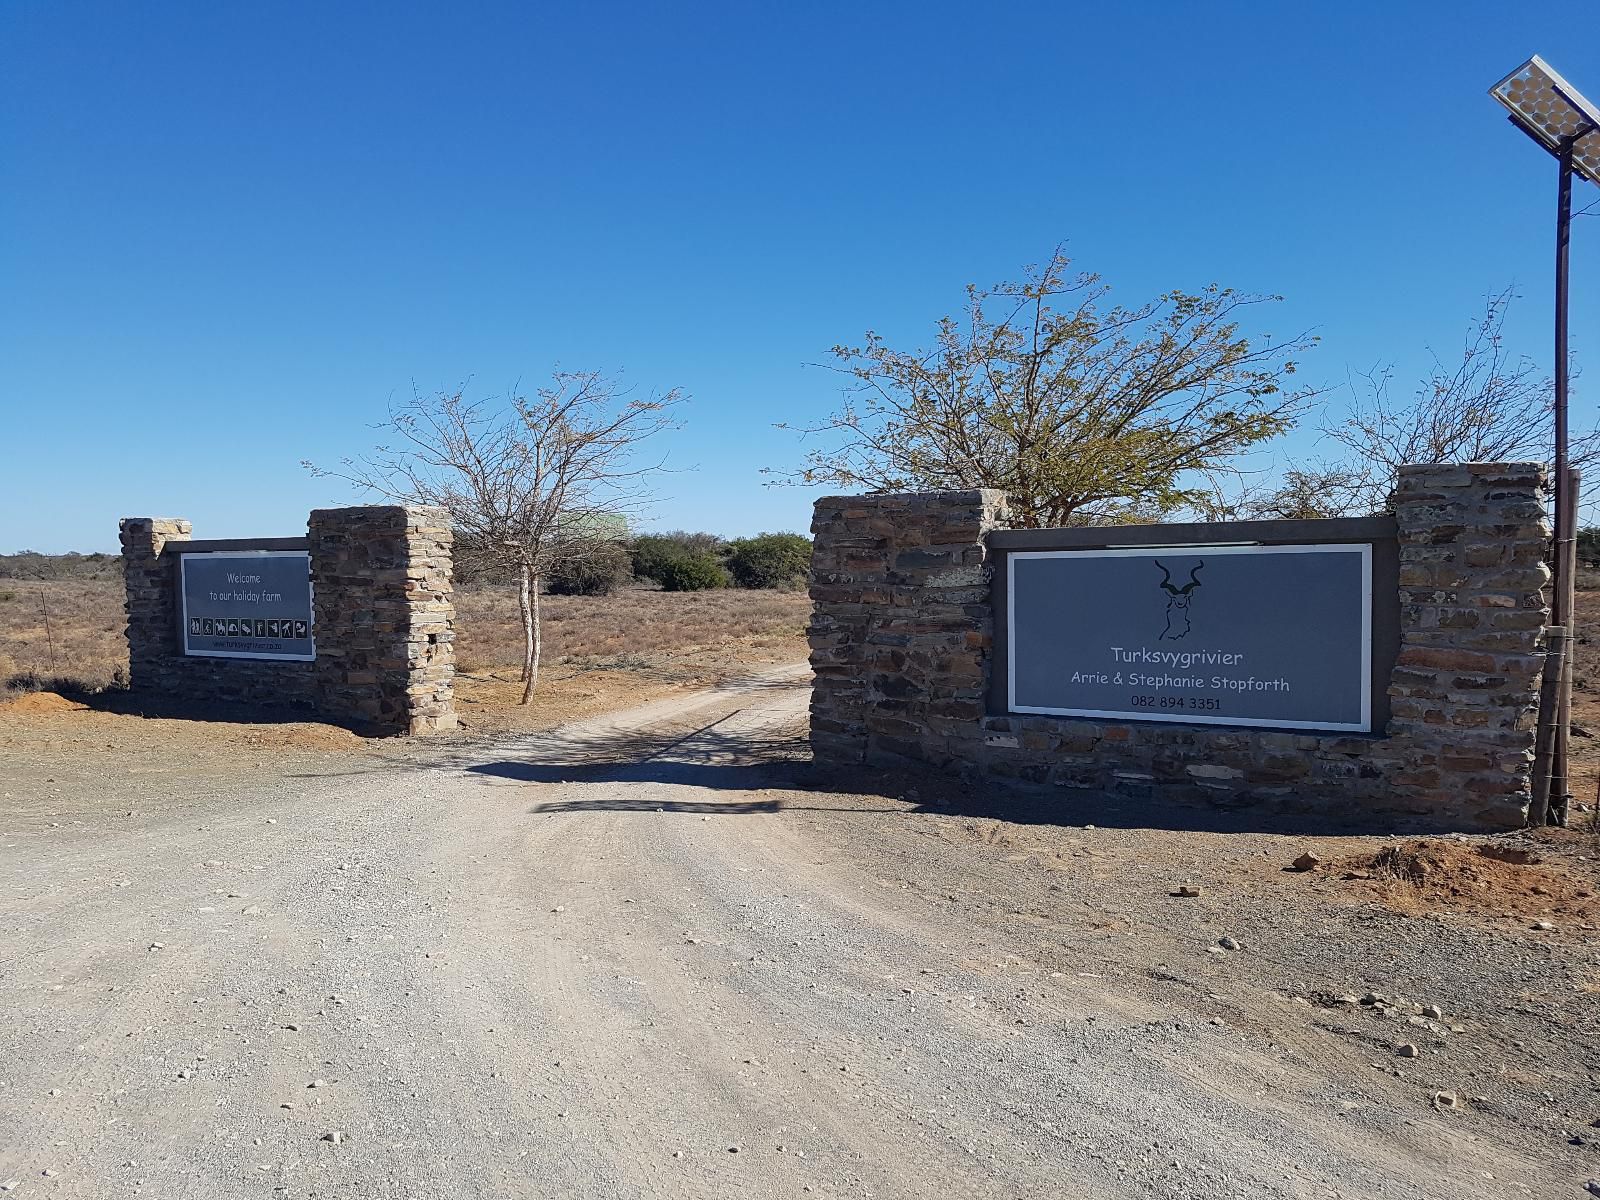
(1566,498)
(1563,235)
(1549,775)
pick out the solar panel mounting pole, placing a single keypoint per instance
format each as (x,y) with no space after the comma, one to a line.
(1561,614)
(1553,113)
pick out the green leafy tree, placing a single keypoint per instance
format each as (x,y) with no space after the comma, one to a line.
(769,560)
(599,573)
(653,552)
(1081,412)
(693,571)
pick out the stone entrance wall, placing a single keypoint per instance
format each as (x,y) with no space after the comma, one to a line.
(902,646)
(384,623)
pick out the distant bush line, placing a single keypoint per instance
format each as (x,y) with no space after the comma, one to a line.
(32,565)
(677,561)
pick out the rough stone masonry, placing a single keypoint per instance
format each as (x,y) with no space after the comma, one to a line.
(384,623)
(902,646)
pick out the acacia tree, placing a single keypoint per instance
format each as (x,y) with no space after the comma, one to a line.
(1302,492)
(1079,411)
(1488,406)
(529,483)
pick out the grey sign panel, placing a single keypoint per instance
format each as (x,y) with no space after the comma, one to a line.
(247,604)
(1275,636)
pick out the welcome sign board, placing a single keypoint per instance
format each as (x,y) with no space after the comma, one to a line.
(247,604)
(1275,636)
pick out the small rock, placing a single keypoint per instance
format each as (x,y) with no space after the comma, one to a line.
(1406,1050)
(1307,862)
(1187,890)
(1432,1011)
(1543,925)
(559,908)
(186,1074)
(335,1136)
(251,910)
(1372,998)
(1347,998)
(317,1083)
(1592,1187)
(48,1173)
(1445,1100)
(158,945)
(733,1149)
(677,1154)
(1228,943)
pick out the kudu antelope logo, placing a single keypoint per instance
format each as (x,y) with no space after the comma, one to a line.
(1178,600)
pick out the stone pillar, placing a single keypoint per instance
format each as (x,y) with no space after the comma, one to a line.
(384,617)
(901,626)
(150,587)
(1473,541)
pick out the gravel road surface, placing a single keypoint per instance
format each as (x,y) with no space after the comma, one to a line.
(646,956)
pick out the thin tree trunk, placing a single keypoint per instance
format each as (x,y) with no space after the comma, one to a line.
(526,609)
(535,646)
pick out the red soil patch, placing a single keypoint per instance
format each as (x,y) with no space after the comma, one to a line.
(41,704)
(1432,875)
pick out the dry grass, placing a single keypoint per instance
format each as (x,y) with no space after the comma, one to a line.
(607,652)
(61,635)
(665,637)
(605,631)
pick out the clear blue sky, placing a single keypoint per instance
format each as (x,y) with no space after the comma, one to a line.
(229,233)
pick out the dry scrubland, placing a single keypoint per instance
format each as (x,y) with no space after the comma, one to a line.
(599,650)
(604,652)
(61,633)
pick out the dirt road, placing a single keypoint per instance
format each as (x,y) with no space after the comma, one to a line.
(633,958)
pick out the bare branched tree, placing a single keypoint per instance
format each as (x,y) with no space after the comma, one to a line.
(1489,405)
(1301,492)
(1079,412)
(528,482)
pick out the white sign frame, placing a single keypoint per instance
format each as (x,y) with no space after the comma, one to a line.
(183,605)
(1146,718)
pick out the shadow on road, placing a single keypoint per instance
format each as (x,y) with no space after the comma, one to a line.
(737,754)
(914,789)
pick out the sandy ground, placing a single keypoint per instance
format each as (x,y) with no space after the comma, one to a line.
(658,954)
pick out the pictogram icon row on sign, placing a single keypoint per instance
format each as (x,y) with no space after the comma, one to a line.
(246,627)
